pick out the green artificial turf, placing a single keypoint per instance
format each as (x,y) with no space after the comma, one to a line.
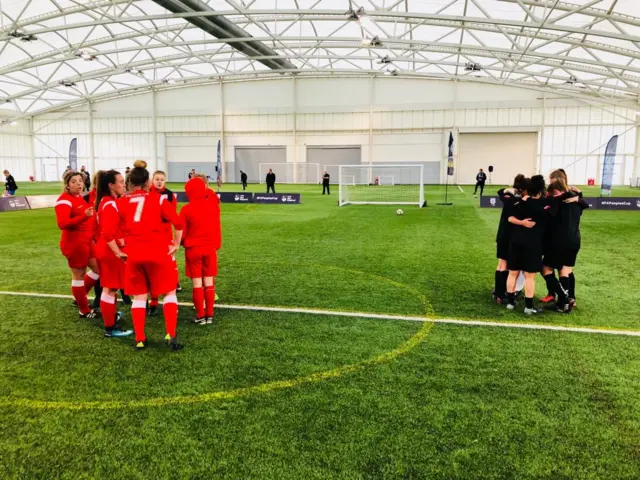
(465,402)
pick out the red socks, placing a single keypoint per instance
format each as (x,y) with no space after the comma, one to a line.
(80,296)
(90,280)
(198,301)
(170,311)
(108,309)
(209,298)
(139,316)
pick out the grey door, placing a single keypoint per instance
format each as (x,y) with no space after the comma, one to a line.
(329,157)
(248,159)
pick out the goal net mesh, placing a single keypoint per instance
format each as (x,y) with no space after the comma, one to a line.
(381,185)
(291,172)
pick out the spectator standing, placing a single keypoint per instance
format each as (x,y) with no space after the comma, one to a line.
(271,181)
(192,173)
(243,179)
(9,184)
(481,179)
(87,178)
(325,183)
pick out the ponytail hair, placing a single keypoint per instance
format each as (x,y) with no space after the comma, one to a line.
(559,174)
(103,179)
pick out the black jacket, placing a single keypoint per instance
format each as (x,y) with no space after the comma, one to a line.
(10,183)
(537,211)
(271,178)
(481,177)
(325,179)
(508,210)
(564,229)
(243,177)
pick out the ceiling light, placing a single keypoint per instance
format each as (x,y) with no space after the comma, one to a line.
(373,42)
(391,70)
(24,37)
(86,55)
(134,71)
(67,83)
(170,81)
(572,80)
(472,67)
(354,14)
(384,60)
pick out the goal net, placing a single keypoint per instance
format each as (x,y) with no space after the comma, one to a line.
(291,172)
(381,185)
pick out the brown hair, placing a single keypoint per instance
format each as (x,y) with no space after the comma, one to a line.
(68,175)
(159,172)
(94,179)
(558,184)
(103,179)
(559,173)
(139,174)
(518,182)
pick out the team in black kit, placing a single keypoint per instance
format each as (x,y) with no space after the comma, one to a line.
(539,232)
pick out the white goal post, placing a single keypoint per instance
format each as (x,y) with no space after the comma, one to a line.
(371,184)
(289,172)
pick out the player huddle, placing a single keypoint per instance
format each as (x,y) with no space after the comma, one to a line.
(126,232)
(539,231)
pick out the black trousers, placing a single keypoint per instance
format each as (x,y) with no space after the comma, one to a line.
(326,187)
(481,185)
(272,187)
(244,185)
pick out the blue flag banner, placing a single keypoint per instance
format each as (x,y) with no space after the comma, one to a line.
(608,166)
(450,156)
(73,154)
(219,167)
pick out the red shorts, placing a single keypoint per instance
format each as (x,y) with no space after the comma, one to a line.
(155,277)
(112,272)
(78,254)
(201,262)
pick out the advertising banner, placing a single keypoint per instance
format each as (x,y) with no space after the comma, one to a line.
(10,204)
(273,198)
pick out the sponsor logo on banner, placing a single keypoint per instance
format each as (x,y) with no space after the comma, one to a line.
(231,197)
(285,198)
(493,201)
(619,203)
(8,204)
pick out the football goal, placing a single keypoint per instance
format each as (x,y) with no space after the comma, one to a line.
(381,185)
(291,172)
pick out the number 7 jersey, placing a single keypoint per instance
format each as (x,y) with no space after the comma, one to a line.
(142,215)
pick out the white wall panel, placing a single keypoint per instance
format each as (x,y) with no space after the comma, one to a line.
(198,100)
(317,93)
(129,106)
(259,96)
(408,147)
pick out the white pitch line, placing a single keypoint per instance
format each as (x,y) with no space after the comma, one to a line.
(380,316)
(460,188)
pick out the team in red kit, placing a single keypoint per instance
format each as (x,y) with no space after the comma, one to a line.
(127,239)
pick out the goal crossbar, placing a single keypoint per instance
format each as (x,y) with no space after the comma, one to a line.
(381,184)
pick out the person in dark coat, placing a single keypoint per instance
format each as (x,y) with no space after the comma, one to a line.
(243,179)
(10,183)
(325,183)
(271,181)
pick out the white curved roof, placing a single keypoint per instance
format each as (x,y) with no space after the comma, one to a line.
(100,48)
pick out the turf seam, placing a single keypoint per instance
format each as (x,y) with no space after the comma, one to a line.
(382,316)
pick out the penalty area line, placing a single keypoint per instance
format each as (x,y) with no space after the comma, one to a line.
(460,188)
(382,316)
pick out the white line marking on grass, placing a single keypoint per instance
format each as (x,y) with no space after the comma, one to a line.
(381,316)
(460,188)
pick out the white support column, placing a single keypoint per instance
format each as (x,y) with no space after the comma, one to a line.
(636,154)
(92,157)
(542,131)
(295,129)
(37,175)
(456,134)
(371,100)
(223,143)
(154,130)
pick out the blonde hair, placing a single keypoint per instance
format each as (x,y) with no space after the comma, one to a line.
(68,175)
(95,179)
(159,172)
(559,174)
(558,184)
(202,177)
(139,164)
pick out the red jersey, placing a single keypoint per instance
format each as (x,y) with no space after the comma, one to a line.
(173,200)
(201,217)
(75,225)
(141,221)
(215,200)
(108,226)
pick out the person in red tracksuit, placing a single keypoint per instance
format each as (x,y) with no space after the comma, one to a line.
(74,218)
(201,239)
(90,198)
(110,187)
(149,267)
(159,180)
